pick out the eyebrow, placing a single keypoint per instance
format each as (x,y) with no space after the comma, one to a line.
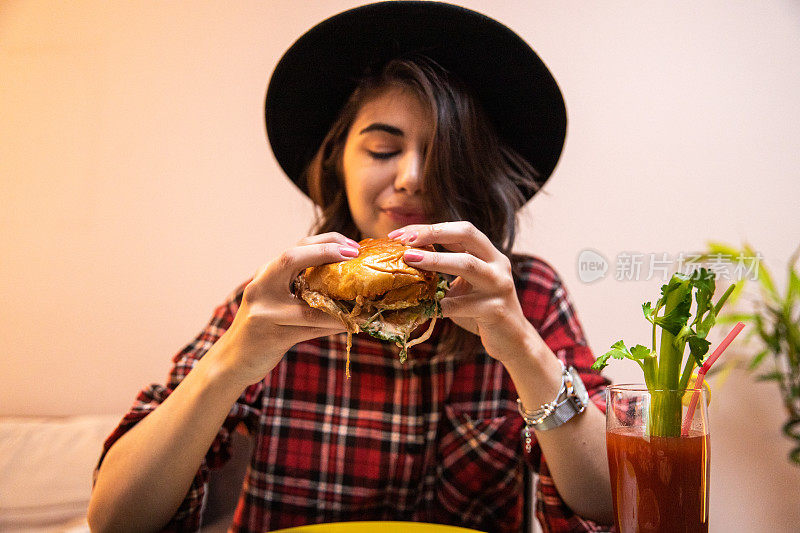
(379,126)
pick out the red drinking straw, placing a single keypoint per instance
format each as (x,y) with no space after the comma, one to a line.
(701,374)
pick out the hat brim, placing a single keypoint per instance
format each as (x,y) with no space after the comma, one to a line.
(317,74)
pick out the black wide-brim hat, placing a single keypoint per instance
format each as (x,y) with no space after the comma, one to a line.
(317,74)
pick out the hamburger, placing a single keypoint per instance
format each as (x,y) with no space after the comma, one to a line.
(377,293)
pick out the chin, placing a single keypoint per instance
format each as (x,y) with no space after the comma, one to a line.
(377,230)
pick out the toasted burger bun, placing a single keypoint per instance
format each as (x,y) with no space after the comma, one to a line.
(379,269)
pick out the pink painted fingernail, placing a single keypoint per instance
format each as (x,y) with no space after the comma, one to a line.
(396,233)
(353,243)
(348,251)
(413,255)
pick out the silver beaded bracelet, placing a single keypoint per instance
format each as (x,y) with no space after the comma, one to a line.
(535,417)
(571,399)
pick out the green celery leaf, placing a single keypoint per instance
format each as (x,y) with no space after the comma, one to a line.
(705,285)
(640,352)
(648,310)
(618,351)
(704,280)
(698,348)
(706,324)
(601,362)
(678,278)
(676,319)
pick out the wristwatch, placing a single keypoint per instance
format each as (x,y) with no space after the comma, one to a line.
(572,398)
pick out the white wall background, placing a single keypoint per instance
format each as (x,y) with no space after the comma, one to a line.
(137,189)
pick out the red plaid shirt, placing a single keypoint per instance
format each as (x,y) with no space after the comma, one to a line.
(436,439)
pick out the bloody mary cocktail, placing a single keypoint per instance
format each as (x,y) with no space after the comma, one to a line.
(659,484)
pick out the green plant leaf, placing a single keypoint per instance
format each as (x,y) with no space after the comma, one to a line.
(732,318)
(726,252)
(793,285)
(776,323)
(763,275)
(718,248)
(757,359)
(771,376)
(772,340)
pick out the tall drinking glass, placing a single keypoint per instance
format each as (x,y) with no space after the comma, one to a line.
(659,483)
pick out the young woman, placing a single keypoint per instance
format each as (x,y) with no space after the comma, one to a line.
(450,126)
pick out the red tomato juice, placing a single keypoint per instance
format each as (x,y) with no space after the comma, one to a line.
(659,484)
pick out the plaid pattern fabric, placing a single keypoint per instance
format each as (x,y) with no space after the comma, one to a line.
(436,439)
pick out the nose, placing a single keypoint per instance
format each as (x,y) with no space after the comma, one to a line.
(409,173)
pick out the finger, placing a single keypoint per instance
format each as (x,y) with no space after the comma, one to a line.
(450,235)
(409,235)
(310,332)
(299,313)
(458,287)
(468,324)
(289,264)
(473,270)
(330,236)
(304,333)
(465,306)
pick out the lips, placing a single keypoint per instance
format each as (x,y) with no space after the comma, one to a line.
(405,216)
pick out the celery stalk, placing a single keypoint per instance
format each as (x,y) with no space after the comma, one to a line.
(666,374)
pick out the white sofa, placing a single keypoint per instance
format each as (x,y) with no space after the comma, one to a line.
(46,467)
(46,471)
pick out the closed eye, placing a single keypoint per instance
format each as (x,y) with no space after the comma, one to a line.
(383,155)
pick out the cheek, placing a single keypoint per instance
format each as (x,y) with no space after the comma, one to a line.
(364,184)
(362,194)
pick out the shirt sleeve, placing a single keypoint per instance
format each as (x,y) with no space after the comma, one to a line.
(547,305)
(244,412)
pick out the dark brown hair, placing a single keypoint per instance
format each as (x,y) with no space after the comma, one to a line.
(468,173)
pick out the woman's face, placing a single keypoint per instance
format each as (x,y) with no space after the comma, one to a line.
(382,163)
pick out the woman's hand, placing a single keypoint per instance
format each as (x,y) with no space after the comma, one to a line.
(271,320)
(482,299)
